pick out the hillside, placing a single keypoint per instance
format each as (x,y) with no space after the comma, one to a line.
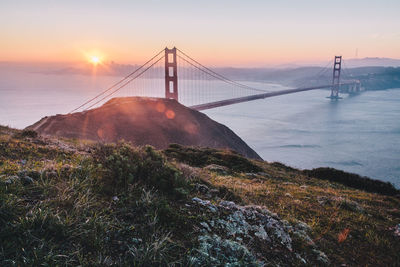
(141,121)
(64,202)
(371,77)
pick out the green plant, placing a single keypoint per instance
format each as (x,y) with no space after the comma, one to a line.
(120,165)
(26,133)
(201,157)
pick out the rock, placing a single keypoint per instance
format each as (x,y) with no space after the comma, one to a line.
(205,203)
(323,200)
(205,226)
(301,259)
(343,203)
(288,195)
(249,221)
(261,233)
(216,251)
(251,175)
(301,230)
(257,225)
(228,204)
(303,226)
(396,230)
(12,179)
(201,188)
(264,174)
(351,205)
(321,257)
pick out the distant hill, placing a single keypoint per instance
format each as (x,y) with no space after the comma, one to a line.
(154,121)
(371,77)
(385,72)
(372,62)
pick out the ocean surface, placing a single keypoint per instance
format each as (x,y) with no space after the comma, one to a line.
(359,134)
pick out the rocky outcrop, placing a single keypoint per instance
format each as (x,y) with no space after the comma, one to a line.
(235,235)
(141,121)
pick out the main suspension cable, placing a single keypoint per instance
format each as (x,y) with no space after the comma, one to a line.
(120,87)
(215,74)
(116,84)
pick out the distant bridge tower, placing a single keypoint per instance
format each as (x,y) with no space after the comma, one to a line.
(171,74)
(337,66)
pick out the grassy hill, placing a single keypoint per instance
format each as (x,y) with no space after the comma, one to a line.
(69,203)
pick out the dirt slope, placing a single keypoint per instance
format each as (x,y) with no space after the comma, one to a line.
(153,121)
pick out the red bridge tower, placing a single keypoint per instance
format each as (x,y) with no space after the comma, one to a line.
(171,74)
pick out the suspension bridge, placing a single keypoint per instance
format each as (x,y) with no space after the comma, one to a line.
(173,74)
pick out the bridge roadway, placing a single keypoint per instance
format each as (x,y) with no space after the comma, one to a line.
(231,101)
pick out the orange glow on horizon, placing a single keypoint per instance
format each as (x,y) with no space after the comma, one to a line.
(221,55)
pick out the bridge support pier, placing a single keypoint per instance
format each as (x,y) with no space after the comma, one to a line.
(171,74)
(337,66)
(358,87)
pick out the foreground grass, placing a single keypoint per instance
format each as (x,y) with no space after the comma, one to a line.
(103,206)
(351,226)
(67,203)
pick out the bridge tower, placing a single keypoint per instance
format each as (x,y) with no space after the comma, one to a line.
(171,74)
(337,66)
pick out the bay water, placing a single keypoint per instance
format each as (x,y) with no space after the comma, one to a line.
(359,133)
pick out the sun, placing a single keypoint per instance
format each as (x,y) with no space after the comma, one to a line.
(94,60)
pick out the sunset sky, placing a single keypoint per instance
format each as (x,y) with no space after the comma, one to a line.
(217,32)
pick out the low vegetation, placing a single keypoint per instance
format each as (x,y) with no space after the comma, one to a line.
(67,203)
(354,180)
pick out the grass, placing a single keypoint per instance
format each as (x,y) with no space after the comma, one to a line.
(365,217)
(113,204)
(108,206)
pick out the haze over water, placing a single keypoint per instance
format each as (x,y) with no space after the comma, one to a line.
(359,134)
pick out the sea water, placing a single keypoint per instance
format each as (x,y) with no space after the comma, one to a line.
(359,133)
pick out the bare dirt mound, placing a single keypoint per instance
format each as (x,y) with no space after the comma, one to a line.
(154,121)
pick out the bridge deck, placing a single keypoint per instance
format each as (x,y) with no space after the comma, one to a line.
(254,97)
(258,96)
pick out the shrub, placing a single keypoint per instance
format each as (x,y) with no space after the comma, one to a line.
(353,180)
(26,133)
(201,157)
(119,165)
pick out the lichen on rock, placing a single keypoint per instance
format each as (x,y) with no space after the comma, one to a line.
(215,251)
(240,226)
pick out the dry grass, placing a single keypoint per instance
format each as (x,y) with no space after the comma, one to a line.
(350,225)
(63,218)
